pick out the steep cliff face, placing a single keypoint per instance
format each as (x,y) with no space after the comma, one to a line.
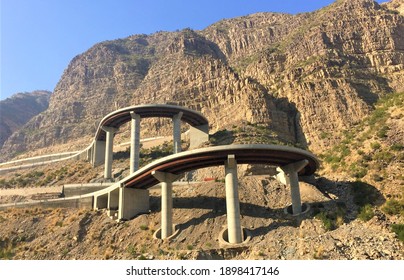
(332,64)
(301,76)
(17,110)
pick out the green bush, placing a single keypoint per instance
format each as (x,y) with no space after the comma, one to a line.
(382,133)
(6,249)
(375,145)
(132,250)
(393,207)
(6,254)
(384,156)
(366,213)
(359,172)
(399,230)
(360,152)
(377,116)
(327,222)
(144,227)
(397,147)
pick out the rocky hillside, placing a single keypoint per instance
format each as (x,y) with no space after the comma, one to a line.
(298,76)
(397,5)
(356,206)
(17,110)
(333,229)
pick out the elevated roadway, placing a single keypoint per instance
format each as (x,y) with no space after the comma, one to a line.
(130,196)
(100,150)
(118,118)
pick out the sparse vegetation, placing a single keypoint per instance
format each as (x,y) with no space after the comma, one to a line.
(393,207)
(6,249)
(375,146)
(399,230)
(144,227)
(331,219)
(247,133)
(149,155)
(319,254)
(366,213)
(327,221)
(370,140)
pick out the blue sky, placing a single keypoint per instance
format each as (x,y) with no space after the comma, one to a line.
(40,37)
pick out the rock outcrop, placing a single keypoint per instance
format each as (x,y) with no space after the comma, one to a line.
(300,76)
(17,110)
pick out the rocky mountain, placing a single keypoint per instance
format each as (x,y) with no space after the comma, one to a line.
(17,110)
(301,77)
(397,5)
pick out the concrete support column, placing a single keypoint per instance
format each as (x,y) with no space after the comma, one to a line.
(166,180)
(134,142)
(288,175)
(109,150)
(232,201)
(177,132)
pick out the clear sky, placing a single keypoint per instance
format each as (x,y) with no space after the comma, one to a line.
(40,37)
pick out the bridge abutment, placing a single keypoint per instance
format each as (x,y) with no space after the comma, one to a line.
(166,180)
(113,203)
(101,201)
(132,202)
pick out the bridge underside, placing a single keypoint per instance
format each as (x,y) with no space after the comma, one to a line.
(133,190)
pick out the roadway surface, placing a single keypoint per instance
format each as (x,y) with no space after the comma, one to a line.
(122,116)
(216,156)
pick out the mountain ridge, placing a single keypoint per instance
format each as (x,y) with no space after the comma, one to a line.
(18,109)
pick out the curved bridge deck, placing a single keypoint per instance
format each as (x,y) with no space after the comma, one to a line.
(216,156)
(130,196)
(122,116)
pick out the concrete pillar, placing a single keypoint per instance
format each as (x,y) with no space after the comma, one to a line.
(166,180)
(288,175)
(232,201)
(98,153)
(134,142)
(198,135)
(109,150)
(177,132)
(132,202)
